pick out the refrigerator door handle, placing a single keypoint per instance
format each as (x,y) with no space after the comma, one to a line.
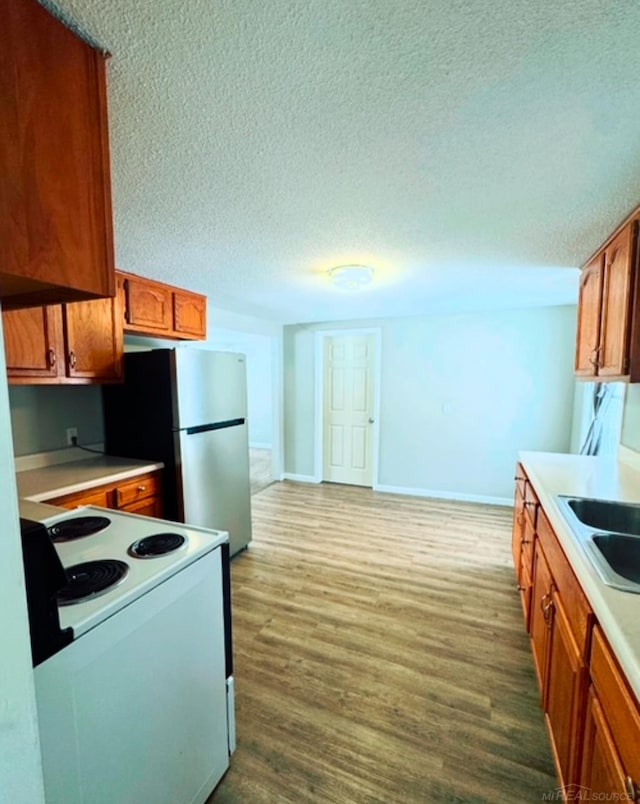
(203,428)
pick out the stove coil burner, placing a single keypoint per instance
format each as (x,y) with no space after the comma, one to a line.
(90,579)
(158,544)
(68,529)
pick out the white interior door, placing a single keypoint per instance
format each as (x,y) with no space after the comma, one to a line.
(348,406)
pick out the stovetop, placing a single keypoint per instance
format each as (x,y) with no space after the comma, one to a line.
(114,542)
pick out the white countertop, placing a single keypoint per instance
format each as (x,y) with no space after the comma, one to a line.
(602,478)
(47,482)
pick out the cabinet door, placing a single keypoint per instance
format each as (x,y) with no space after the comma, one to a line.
(190,314)
(616,304)
(602,772)
(518,526)
(539,614)
(56,238)
(33,344)
(95,341)
(565,693)
(589,305)
(148,306)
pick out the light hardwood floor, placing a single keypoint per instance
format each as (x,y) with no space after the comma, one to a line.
(381,655)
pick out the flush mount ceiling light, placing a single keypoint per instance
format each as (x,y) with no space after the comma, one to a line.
(351,277)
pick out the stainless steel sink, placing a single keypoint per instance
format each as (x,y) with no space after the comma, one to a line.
(609,533)
(622,553)
(607,515)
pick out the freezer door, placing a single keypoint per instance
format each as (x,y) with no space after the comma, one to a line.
(209,387)
(214,471)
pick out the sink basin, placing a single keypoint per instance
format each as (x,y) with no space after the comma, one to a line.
(609,534)
(607,515)
(622,553)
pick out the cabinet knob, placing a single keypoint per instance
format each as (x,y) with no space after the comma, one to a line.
(632,789)
(73,360)
(142,488)
(51,357)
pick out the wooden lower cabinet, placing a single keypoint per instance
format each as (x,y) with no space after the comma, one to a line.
(602,771)
(139,495)
(539,615)
(611,748)
(592,715)
(564,693)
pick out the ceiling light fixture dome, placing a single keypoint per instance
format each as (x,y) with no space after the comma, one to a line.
(351,277)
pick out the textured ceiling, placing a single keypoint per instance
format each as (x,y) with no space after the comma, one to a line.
(474,153)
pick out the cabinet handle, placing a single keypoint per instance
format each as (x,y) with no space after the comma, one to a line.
(525,541)
(142,488)
(520,588)
(547,609)
(51,357)
(632,789)
(73,360)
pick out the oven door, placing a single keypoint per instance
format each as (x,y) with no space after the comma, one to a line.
(136,709)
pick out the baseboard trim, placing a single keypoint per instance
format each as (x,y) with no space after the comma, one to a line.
(259,445)
(300,478)
(444,495)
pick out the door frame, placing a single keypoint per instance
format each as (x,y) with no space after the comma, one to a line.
(320,337)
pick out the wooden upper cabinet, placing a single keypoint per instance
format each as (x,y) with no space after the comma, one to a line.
(33,342)
(56,238)
(190,314)
(163,311)
(608,339)
(147,306)
(75,343)
(589,305)
(95,339)
(613,352)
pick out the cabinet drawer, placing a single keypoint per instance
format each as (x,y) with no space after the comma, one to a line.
(138,489)
(521,479)
(621,709)
(149,506)
(99,497)
(578,611)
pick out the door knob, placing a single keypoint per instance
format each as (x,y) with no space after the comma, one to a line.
(370,420)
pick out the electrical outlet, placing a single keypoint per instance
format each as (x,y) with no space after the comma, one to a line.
(72,434)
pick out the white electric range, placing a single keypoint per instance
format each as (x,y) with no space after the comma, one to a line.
(140,704)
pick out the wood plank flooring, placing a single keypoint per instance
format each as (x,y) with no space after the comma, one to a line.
(381,655)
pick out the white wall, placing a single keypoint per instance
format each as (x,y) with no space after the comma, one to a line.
(631,420)
(460,396)
(20,770)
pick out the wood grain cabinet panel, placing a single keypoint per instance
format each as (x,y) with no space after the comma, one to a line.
(34,344)
(613,349)
(566,686)
(56,238)
(190,314)
(539,615)
(589,306)
(75,343)
(621,711)
(148,306)
(163,311)
(602,771)
(608,337)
